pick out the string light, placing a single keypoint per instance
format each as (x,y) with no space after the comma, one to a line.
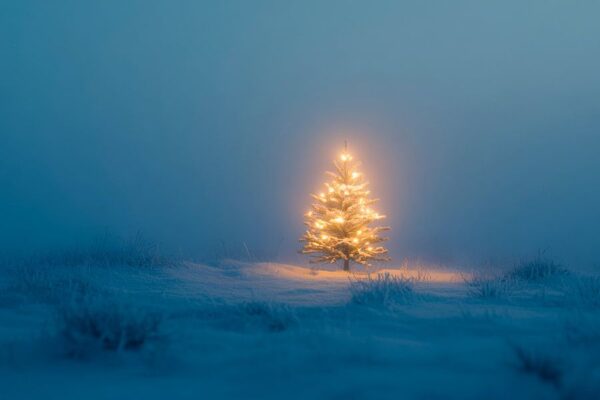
(344,206)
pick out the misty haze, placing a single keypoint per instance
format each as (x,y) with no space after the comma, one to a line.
(157,162)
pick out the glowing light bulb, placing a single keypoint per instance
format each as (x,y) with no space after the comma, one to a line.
(355,175)
(355,240)
(319,225)
(339,220)
(324,237)
(359,232)
(370,248)
(322,194)
(309,213)
(345,157)
(331,190)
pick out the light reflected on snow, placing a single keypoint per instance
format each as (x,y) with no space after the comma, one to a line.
(422,273)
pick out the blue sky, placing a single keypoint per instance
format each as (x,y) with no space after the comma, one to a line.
(202,123)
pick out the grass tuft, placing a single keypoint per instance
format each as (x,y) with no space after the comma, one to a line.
(87,328)
(270,316)
(489,287)
(136,251)
(385,291)
(537,270)
(546,368)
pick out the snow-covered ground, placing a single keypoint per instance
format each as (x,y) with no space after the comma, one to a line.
(265,330)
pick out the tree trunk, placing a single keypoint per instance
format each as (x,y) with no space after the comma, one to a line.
(347,265)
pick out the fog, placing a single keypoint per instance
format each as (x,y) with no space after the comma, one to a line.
(205,125)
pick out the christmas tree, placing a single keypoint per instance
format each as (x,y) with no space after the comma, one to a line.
(339,221)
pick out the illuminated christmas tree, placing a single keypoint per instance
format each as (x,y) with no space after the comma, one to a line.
(339,221)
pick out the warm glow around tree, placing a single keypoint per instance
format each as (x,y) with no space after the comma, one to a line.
(339,221)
